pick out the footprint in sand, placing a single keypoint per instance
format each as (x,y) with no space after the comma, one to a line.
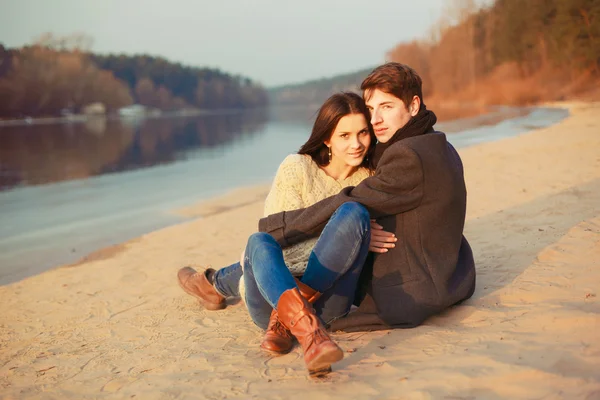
(117,384)
(134,276)
(280,366)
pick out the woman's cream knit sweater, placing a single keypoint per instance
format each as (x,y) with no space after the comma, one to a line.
(300,183)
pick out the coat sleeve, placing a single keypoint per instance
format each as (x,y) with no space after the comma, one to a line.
(396,187)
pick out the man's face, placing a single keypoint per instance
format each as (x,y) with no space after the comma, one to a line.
(388,113)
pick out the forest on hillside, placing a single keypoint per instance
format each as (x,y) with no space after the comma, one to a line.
(511,52)
(316,91)
(508,52)
(59,73)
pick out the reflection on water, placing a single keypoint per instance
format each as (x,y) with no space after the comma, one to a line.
(70,189)
(37,154)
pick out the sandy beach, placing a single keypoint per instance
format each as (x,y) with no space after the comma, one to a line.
(117,325)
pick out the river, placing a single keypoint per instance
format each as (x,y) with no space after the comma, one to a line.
(67,189)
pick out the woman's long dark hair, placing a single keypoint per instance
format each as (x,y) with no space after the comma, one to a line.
(335,108)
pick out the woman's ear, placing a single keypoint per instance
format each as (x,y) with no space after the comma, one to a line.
(415,105)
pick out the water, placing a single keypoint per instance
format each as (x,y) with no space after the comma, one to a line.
(70,188)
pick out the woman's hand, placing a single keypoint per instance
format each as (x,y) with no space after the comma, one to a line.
(381,240)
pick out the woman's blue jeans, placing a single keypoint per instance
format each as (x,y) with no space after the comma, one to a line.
(227,280)
(333,269)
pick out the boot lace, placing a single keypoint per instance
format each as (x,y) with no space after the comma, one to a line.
(317,337)
(280,330)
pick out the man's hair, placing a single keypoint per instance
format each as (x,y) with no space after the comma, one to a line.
(396,79)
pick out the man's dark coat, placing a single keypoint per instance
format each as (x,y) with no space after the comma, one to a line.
(418,191)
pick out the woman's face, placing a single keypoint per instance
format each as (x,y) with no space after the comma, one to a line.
(350,141)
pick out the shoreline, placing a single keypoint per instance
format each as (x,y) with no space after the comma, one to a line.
(81,118)
(22,258)
(236,197)
(120,327)
(230,200)
(449,112)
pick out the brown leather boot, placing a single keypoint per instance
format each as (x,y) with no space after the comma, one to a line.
(310,294)
(297,315)
(278,339)
(197,284)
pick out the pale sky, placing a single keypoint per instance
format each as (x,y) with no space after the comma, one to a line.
(272,42)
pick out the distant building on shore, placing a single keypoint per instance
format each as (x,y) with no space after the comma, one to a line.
(94,109)
(138,110)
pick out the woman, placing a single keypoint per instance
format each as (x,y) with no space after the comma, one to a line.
(326,268)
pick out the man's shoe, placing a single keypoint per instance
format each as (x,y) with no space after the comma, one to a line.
(197,284)
(297,315)
(278,339)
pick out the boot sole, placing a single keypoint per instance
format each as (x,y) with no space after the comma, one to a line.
(319,373)
(208,306)
(321,366)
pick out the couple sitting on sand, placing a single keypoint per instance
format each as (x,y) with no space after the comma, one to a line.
(369,212)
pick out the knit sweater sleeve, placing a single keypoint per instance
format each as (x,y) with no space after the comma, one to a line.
(286,190)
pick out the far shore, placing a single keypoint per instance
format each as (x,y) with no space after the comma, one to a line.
(76,118)
(445,112)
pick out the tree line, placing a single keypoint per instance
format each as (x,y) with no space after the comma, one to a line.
(507,52)
(314,92)
(517,51)
(60,73)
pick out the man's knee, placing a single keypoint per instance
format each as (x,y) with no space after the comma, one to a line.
(355,213)
(257,244)
(258,238)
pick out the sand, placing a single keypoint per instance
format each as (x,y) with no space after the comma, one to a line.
(116,325)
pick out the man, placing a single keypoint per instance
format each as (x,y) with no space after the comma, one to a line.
(418,192)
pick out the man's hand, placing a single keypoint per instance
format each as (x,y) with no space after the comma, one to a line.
(381,240)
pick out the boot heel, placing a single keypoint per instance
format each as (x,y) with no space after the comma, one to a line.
(325,359)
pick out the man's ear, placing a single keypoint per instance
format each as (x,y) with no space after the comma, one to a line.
(415,105)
